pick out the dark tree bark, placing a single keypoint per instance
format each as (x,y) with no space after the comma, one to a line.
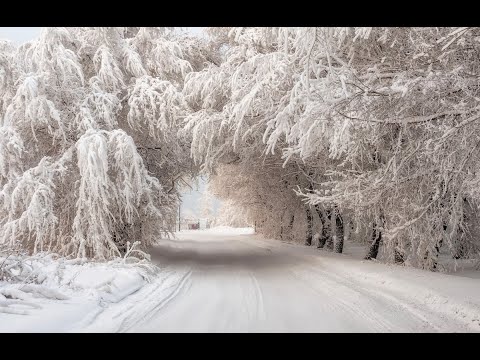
(324,234)
(308,241)
(325,228)
(398,257)
(328,231)
(290,225)
(338,248)
(351,230)
(282,234)
(376,240)
(460,250)
(431,261)
(438,245)
(375,244)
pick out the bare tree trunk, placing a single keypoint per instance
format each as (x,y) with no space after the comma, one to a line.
(328,232)
(351,230)
(375,244)
(376,241)
(308,242)
(399,258)
(460,250)
(282,235)
(339,232)
(322,238)
(438,246)
(326,222)
(290,225)
(431,260)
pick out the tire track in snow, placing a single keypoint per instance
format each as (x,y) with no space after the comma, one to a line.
(286,290)
(259,296)
(384,299)
(136,307)
(433,309)
(253,299)
(380,301)
(338,304)
(153,305)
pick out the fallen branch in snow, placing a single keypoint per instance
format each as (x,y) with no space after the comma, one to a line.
(132,249)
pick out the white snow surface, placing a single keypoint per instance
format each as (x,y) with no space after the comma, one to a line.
(66,295)
(231,280)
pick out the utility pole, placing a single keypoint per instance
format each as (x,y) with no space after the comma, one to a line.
(179,204)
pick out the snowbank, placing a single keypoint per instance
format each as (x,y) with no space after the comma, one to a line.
(47,293)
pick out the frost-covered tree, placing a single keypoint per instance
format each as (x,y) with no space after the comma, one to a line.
(234,103)
(388,100)
(90,151)
(367,115)
(231,214)
(207,206)
(310,132)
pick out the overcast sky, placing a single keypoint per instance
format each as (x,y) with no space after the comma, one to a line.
(22,34)
(191,198)
(19,34)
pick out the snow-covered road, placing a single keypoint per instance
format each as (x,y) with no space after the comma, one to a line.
(229,280)
(243,283)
